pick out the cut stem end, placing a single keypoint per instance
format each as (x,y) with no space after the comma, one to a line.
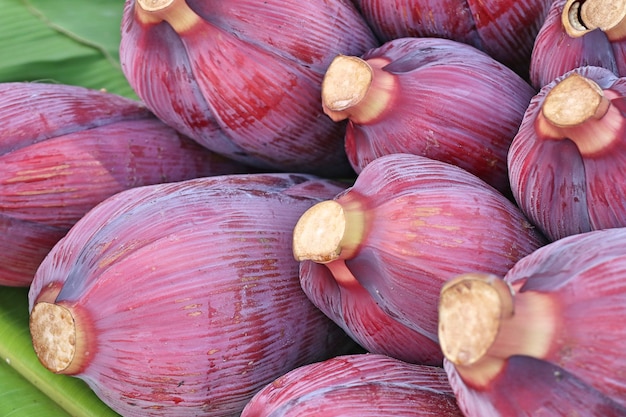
(154,5)
(471,309)
(356,89)
(483,322)
(175,12)
(582,16)
(54,336)
(328,231)
(345,84)
(318,233)
(577,108)
(573,101)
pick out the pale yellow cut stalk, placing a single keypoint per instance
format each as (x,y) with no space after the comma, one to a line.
(582,16)
(328,231)
(175,12)
(56,338)
(357,89)
(577,108)
(482,322)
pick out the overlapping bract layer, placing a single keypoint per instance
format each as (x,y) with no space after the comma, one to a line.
(407,225)
(432,97)
(184,297)
(559,349)
(579,33)
(361,385)
(64,149)
(505,30)
(566,162)
(233,76)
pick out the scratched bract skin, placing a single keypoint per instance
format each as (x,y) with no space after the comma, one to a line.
(184,298)
(243,77)
(505,30)
(358,385)
(64,149)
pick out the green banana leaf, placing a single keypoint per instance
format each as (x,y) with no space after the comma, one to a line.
(69,42)
(63,41)
(19,397)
